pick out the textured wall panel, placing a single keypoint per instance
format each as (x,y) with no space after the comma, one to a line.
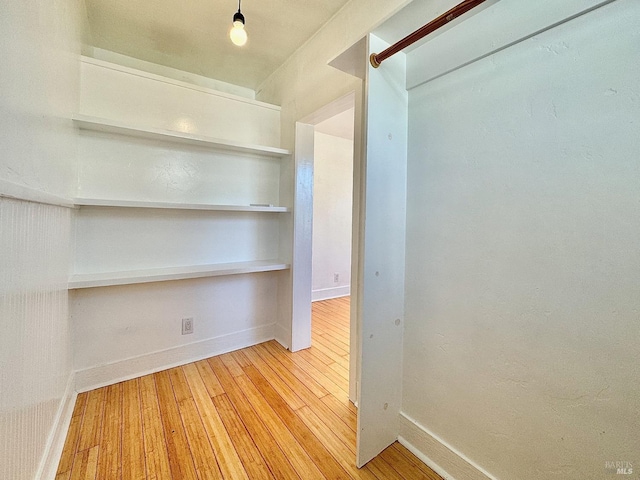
(522,346)
(34,345)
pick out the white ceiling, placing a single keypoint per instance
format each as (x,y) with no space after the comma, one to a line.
(193,35)
(340,125)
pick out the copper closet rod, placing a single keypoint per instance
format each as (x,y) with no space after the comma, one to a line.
(463,7)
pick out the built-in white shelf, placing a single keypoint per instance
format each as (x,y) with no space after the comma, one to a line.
(86,122)
(99,202)
(91,280)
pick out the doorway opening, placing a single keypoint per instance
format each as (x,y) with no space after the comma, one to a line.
(333,190)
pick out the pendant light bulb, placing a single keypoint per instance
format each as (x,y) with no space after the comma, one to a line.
(238,34)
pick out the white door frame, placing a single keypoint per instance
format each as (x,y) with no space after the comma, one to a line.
(350,100)
(302,235)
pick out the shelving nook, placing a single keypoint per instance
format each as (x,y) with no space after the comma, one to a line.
(103,136)
(183,209)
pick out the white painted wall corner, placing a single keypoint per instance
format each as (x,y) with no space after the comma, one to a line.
(108,374)
(437,454)
(58,434)
(281,335)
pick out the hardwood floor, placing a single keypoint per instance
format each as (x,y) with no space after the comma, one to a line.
(257,413)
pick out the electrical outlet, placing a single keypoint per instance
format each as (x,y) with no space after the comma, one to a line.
(187,325)
(336,277)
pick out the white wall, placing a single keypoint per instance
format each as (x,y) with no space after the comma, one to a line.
(35,349)
(39,85)
(125,331)
(332,203)
(145,99)
(164,71)
(306,82)
(38,93)
(522,344)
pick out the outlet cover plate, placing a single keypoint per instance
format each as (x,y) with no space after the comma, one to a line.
(187,326)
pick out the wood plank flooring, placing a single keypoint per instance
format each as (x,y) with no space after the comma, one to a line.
(257,413)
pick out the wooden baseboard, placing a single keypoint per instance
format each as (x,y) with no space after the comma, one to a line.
(58,434)
(442,458)
(329,293)
(127,369)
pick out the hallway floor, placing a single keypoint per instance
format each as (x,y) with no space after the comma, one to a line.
(257,413)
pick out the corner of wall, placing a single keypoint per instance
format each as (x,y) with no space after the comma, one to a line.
(441,457)
(122,370)
(58,433)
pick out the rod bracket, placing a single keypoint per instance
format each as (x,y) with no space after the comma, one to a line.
(377,58)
